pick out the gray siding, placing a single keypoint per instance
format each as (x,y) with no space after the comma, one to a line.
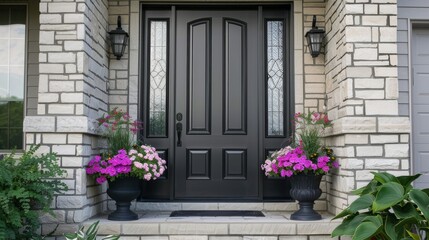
(408,10)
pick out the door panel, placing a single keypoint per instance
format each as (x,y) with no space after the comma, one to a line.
(420,108)
(214,50)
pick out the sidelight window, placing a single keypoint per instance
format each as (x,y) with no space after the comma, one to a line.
(158,74)
(274,77)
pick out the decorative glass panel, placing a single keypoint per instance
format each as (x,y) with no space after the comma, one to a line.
(158,79)
(275,76)
(12,75)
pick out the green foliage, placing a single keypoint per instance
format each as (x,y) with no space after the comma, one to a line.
(27,188)
(90,234)
(387,208)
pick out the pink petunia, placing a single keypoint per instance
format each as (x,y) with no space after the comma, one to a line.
(138,165)
(101,179)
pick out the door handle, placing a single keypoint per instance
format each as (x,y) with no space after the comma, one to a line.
(179,128)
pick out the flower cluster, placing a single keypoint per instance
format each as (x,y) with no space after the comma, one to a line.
(142,162)
(289,161)
(310,156)
(120,130)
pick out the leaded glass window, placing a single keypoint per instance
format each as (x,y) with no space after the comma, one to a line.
(275,76)
(12,75)
(158,78)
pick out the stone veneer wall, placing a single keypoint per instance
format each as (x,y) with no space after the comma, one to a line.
(362,87)
(73,65)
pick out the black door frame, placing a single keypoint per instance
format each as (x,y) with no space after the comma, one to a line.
(274,188)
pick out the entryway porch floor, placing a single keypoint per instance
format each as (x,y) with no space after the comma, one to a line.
(158,225)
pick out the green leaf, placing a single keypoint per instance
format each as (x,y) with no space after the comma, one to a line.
(426,190)
(348,226)
(406,211)
(413,235)
(388,195)
(384,177)
(371,187)
(365,231)
(421,199)
(363,202)
(407,180)
(404,224)
(389,227)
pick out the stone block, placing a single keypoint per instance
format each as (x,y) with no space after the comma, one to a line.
(225,238)
(39,124)
(61,86)
(259,238)
(194,229)
(386,71)
(178,237)
(61,57)
(72,97)
(49,18)
(396,150)
(380,139)
(381,107)
(369,83)
(74,18)
(46,37)
(388,9)
(61,7)
(394,124)
(358,34)
(51,68)
(241,206)
(388,34)
(71,201)
(319,228)
(61,109)
(382,163)
(73,45)
(374,20)
(71,161)
(64,149)
(262,228)
(387,48)
(48,97)
(365,54)
(369,151)
(140,229)
(54,138)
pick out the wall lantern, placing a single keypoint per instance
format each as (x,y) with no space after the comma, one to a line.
(119,40)
(315,39)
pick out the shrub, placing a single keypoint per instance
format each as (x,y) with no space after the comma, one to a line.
(90,234)
(27,188)
(387,208)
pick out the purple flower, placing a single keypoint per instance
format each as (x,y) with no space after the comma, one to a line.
(336,164)
(298,167)
(325,169)
(101,179)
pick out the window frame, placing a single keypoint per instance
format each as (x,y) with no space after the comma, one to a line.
(25,90)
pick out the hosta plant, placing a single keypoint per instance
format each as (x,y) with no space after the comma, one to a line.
(90,234)
(387,208)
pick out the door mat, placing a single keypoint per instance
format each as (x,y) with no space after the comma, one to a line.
(217,214)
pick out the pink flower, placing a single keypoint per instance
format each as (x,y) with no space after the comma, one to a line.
(315,117)
(325,169)
(101,179)
(138,165)
(336,164)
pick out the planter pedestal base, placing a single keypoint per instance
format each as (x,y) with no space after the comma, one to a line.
(306,213)
(123,213)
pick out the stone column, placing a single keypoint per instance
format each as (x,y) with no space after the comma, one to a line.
(362,88)
(73,65)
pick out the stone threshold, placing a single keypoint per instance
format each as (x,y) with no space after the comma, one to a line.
(158,225)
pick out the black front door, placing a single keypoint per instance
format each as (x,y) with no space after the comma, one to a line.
(210,107)
(216,93)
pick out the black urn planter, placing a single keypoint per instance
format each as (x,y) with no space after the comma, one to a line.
(305,188)
(123,191)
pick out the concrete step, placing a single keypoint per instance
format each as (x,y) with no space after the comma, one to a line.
(157,225)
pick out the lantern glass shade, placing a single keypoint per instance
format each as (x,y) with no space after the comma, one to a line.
(119,42)
(315,39)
